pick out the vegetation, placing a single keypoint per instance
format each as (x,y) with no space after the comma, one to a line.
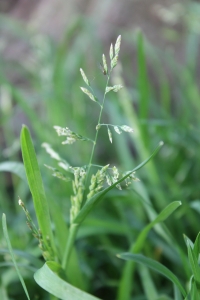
(97,231)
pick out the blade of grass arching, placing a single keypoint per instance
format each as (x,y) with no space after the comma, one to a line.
(147,283)
(90,203)
(61,232)
(126,285)
(5,231)
(50,278)
(156,266)
(36,186)
(13,167)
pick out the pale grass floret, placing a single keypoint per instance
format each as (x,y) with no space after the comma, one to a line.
(87,92)
(126,128)
(117,45)
(116,128)
(51,152)
(105,67)
(111,52)
(84,77)
(110,135)
(97,181)
(78,189)
(72,137)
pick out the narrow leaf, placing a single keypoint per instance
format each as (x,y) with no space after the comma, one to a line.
(126,284)
(13,167)
(50,278)
(197,245)
(154,265)
(5,231)
(194,264)
(36,185)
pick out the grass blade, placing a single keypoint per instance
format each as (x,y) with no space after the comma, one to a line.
(5,231)
(36,185)
(50,277)
(126,285)
(156,266)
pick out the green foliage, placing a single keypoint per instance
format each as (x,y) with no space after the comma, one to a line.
(83,220)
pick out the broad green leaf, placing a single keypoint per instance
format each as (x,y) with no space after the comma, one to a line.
(51,278)
(154,265)
(36,185)
(13,167)
(5,231)
(90,203)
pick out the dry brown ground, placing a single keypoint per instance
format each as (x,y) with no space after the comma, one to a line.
(53,16)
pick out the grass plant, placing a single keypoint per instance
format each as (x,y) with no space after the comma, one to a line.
(98,241)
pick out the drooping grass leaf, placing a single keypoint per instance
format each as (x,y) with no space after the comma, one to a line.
(50,277)
(5,231)
(13,167)
(154,265)
(126,285)
(36,185)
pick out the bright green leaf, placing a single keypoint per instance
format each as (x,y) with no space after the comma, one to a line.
(36,185)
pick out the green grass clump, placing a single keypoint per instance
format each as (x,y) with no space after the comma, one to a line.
(100,230)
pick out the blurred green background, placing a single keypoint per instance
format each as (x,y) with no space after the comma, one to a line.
(43,44)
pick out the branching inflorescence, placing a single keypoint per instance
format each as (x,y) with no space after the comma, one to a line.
(82,189)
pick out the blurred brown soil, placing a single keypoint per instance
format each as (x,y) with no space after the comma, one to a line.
(52,17)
